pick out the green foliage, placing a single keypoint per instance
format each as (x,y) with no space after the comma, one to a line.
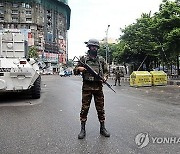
(156,37)
(102,50)
(70,63)
(33,52)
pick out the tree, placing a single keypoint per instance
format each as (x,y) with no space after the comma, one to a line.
(167,27)
(155,38)
(33,52)
(102,50)
(70,63)
(140,42)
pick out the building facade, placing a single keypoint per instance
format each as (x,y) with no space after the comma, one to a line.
(44,23)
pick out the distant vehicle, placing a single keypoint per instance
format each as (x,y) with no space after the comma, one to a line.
(161,69)
(61,73)
(67,73)
(64,73)
(48,71)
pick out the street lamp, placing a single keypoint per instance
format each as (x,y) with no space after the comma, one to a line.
(107,48)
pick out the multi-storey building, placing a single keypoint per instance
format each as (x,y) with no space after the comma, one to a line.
(43,22)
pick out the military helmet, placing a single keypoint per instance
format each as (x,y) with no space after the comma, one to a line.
(92,42)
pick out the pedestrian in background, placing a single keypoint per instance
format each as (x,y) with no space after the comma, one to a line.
(118,74)
(92,86)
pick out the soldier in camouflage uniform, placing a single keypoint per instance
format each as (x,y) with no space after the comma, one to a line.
(118,74)
(92,86)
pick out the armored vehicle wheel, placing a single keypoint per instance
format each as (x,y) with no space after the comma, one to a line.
(36,89)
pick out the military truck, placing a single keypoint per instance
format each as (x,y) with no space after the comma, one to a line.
(17,71)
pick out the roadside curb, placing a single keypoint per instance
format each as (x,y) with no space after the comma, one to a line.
(173,82)
(169,82)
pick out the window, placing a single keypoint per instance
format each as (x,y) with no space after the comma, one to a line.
(14,19)
(14,11)
(15,26)
(28,19)
(1,26)
(1,4)
(1,18)
(28,6)
(23,5)
(28,12)
(1,11)
(39,40)
(15,5)
(4,26)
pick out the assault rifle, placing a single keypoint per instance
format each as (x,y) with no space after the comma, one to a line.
(94,73)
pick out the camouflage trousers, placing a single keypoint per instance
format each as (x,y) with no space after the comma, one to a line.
(117,79)
(99,103)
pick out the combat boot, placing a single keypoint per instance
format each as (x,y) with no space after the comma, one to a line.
(82,133)
(115,83)
(119,83)
(103,130)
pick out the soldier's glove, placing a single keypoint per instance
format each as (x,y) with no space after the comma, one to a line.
(81,69)
(105,78)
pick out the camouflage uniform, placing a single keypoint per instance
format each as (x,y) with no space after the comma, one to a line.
(118,74)
(92,87)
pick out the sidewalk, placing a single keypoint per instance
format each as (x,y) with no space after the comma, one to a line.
(173,82)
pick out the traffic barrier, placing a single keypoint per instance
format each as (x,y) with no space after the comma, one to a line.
(159,78)
(140,78)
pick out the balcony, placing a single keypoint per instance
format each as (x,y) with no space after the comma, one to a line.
(14,13)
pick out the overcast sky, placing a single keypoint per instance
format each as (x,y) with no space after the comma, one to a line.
(90,19)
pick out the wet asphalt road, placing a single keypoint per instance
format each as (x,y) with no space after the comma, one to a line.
(51,124)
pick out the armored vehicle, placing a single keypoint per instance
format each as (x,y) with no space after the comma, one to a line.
(17,71)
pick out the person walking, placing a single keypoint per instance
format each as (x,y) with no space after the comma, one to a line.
(92,86)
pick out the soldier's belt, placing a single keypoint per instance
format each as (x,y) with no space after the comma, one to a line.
(91,78)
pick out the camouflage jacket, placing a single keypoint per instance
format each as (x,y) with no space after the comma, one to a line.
(119,73)
(99,65)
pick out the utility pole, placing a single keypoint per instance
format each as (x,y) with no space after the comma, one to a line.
(107,47)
